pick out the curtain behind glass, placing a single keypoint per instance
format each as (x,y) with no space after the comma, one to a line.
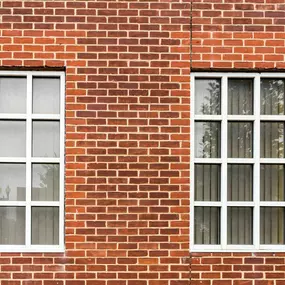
(240,225)
(240,97)
(207,225)
(207,182)
(12,225)
(272,225)
(45,225)
(272,97)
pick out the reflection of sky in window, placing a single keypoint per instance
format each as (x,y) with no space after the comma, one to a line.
(13,90)
(12,138)
(45,139)
(46,95)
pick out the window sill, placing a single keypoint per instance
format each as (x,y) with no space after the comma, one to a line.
(34,248)
(237,248)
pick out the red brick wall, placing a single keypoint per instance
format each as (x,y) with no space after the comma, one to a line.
(127,137)
(238,34)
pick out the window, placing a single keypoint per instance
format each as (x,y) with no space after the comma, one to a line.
(237,162)
(31,161)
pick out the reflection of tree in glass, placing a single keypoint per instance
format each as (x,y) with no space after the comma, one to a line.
(240,139)
(272,97)
(210,143)
(211,102)
(7,191)
(49,179)
(272,103)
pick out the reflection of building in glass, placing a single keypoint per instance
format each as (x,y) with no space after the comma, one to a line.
(21,193)
(5,196)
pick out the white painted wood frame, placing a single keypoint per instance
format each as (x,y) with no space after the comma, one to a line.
(28,117)
(223,161)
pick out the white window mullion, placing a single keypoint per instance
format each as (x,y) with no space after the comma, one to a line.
(28,159)
(256,171)
(224,148)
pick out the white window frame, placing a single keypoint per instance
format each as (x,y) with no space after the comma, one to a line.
(28,160)
(256,161)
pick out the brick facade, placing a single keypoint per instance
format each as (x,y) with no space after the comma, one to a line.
(127,137)
(127,68)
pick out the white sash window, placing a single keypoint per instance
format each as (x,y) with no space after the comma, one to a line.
(31,161)
(237,162)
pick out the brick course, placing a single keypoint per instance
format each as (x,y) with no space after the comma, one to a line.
(127,137)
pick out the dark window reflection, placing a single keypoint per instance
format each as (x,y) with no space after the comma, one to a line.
(272,97)
(207,182)
(272,139)
(240,139)
(207,225)
(240,97)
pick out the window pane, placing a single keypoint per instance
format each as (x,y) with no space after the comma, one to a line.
(46,139)
(272,182)
(12,138)
(272,97)
(240,225)
(207,182)
(272,225)
(272,139)
(46,95)
(207,225)
(240,181)
(12,182)
(45,225)
(240,139)
(45,182)
(12,225)
(240,97)
(13,94)
(207,139)
(207,97)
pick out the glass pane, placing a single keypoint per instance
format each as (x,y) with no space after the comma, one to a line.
(207,139)
(207,182)
(240,139)
(272,225)
(12,138)
(240,182)
(272,97)
(46,139)
(207,225)
(272,182)
(12,225)
(240,225)
(240,97)
(207,96)
(13,94)
(12,182)
(46,95)
(45,225)
(272,139)
(45,182)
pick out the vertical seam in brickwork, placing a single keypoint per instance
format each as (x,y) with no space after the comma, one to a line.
(191,34)
(190,266)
